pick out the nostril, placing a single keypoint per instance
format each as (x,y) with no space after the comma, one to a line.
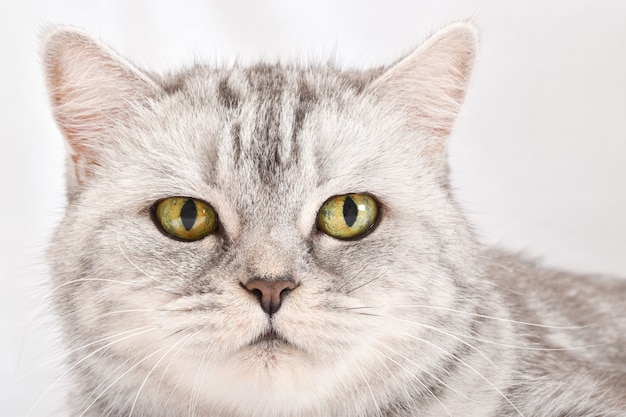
(270,291)
(257,293)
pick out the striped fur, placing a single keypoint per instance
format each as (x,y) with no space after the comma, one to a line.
(416,318)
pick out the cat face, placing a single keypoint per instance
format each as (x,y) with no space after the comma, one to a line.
(266,311)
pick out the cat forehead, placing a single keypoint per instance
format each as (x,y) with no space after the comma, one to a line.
(272,123)
(233,86)
(264,139)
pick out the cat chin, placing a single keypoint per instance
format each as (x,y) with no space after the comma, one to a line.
(268,374)
(276,378)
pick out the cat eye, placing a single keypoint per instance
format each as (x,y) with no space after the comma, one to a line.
(348,216)
(184,218)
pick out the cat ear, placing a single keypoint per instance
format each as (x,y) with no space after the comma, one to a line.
(91,88)
(429,84)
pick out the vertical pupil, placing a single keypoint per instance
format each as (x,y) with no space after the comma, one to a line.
(188,214)
(349,211)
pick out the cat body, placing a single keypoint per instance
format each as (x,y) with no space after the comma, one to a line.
(270,311)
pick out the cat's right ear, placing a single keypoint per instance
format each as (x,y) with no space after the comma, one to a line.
(428,86)
(91,88)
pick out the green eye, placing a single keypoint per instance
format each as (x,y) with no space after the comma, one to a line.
(185,218)
(347,216)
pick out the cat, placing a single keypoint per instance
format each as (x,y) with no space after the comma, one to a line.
(281,240)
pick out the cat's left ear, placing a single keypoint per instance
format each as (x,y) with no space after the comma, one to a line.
(429,84)
(91,89)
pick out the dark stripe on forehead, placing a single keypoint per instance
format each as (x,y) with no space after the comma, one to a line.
(307,98)
(236,135)
(226,96)
(268,82)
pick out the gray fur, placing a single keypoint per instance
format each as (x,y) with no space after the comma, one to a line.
(415,318)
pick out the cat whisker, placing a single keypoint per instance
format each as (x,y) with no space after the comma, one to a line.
(132,408)
(381,274)
(140,310)
(102,384)
(452,335)
(121,366)
(369,388)
(419,381)
(193,400)
(465,343)
(368,282)
(77,363)
(153,254)
(524,323)
(119,247)
(165,370)
(349,280)
(65,354)
(356,275)
(416,377)
(458,336)
(390,372)
(79,280)
(145,358)
(519,347)
(461,361)
(365,380)
(480,375)
(41,305)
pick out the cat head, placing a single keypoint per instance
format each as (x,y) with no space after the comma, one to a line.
(264,240)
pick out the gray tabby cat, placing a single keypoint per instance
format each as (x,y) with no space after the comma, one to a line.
(279,241)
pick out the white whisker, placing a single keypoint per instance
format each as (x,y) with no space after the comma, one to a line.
(193,401)
(368,387)
(480,375)
(524,323)
(415,377)
(119,247)
(67,353)
(381,274)
(82,360)
(167,401)
(520,347)
(78,280)
(138,310)
(118,378)
(132,409)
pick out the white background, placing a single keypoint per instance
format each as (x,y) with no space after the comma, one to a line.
(538,155)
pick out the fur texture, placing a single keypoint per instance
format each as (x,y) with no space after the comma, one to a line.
(414,318)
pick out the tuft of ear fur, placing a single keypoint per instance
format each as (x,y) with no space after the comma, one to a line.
(429,84)
(91,88)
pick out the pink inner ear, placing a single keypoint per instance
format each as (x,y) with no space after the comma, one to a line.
(73,125)
(429,84)
(91,88)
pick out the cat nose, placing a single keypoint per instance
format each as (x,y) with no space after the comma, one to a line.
(270,292)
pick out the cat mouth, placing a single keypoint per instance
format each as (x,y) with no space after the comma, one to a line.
(269,337)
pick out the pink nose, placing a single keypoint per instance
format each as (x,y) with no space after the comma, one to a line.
(270,292)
